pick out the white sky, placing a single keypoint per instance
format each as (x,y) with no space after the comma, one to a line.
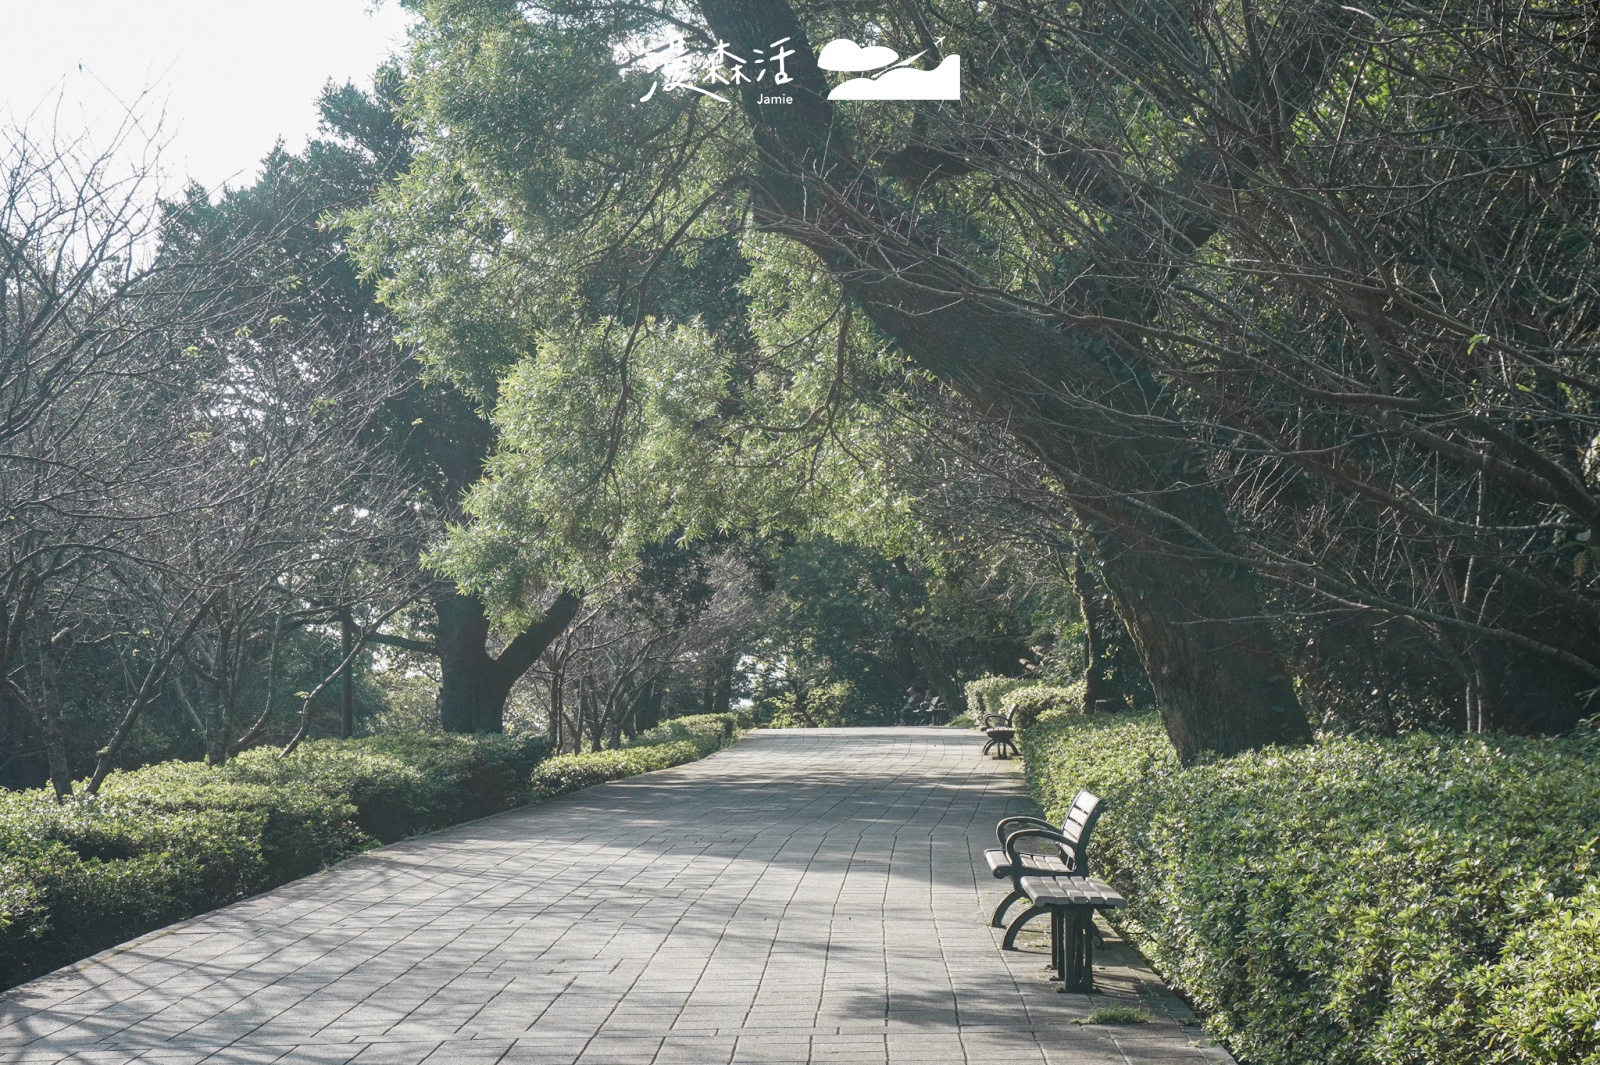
(231,76)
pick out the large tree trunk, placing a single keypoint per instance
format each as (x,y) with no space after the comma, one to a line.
(473,684)
(1217,675)
(1096,684)
(469,688)
(719,696)
(1194,614)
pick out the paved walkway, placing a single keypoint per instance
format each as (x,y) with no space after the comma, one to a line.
(806,896)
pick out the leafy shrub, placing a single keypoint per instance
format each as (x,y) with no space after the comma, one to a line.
(405,784)
(1544,994)
(1035,701)
(1424,899)
(572,772)
(985,693)
(714,730)
(301,826)
(833,704)
(677,741)
(168,841)
(86,874)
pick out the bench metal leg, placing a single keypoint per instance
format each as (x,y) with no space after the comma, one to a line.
(1005,904)
(1072,947)
(1058,936)
(1003,748)
(1010,942)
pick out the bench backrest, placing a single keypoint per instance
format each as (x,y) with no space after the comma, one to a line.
(1078,826)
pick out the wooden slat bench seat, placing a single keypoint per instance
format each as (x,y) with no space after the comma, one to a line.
(1070,841)
(1072,901)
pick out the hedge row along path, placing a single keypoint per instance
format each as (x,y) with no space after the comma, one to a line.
(804,896)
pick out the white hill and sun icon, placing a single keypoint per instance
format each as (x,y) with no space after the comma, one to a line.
(899,82)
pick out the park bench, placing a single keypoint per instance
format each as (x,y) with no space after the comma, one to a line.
(1071,901)
(930,711)
(1071,842)
(1002,732)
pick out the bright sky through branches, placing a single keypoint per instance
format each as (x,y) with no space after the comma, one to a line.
(232,76)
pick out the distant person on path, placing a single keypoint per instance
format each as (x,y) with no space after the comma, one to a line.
(913,700)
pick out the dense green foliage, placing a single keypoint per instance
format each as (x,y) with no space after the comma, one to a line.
(678,741)
(404,784)
(1425,899)
(172,840)
(1037,702)
(985,693)
(847,629)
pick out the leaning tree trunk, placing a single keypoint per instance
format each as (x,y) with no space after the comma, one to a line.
(1194,614)
(473,684)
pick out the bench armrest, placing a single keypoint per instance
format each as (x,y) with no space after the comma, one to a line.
(1019,819)
(1069,849)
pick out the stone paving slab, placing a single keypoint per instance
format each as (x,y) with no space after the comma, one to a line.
(805,896)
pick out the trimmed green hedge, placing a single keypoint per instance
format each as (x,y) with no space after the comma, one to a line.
(678,741)
(984,694)
(407,783)
(1038,702)
(1426,900)
(169,841)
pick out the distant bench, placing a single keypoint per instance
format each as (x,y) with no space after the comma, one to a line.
(930,711)
(1001,731)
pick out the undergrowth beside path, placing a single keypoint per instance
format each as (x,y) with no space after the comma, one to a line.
(1422,900)
(168,841)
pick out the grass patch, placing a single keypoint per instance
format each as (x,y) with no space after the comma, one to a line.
(1117,1015)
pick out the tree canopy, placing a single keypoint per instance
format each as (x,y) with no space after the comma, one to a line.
(1287,308)
(1240,355)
